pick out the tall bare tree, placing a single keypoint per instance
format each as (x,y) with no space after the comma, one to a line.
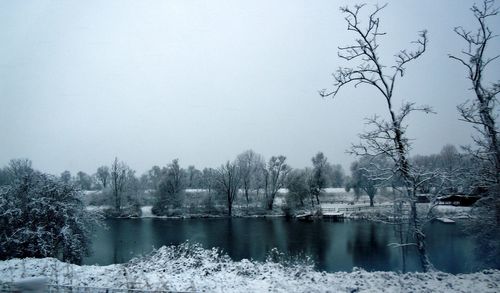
(298,187)
(19,168)
(320,172)
(193,177)
(361,177)
(275,175)
(208,180)
(482,112)
(249,164)
(228,182)
(118,177)
(102,175)
(386,137)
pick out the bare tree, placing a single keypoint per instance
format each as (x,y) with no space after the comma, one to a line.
(249,163)
(298,189)
(193,177)
(19,168)
(103,175)
(208,181)
(155,175)
(482,112)
(118,177)
(320,171)
(361,177)
(175,176)
(449,157)
(386,137)
(228,180)
(275,175)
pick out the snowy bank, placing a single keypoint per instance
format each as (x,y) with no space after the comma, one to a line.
(191,268)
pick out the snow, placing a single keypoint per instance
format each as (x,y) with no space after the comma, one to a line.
(283,190)
(189,267)
(453,211)
(335,190)
(195,190)
(446,220)
(356,206)
(146,212)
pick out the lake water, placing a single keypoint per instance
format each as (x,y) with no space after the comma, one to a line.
(334,246)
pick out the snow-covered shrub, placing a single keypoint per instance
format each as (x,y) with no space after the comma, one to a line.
(41,216)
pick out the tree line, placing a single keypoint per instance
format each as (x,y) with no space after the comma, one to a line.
(249,179)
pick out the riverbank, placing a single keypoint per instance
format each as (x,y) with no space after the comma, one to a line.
(349,211)
(191,268)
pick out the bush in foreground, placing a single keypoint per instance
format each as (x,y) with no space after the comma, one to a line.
(41,216)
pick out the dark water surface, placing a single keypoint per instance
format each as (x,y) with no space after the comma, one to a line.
(334,246)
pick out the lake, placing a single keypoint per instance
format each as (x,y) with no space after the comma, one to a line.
(334,246)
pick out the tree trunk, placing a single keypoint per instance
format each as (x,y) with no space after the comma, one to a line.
(488,121)
(117,199)
(419,239)
(371,199)
(246,195)
(270,203)
(403,247)
(229,204)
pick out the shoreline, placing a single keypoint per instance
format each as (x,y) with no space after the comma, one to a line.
(443,211)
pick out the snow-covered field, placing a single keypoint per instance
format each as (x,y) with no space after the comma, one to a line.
(191,268)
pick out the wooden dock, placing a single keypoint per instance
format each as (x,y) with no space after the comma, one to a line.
(333,215)
(327,214)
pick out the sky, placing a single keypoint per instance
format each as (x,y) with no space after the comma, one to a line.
(83,82)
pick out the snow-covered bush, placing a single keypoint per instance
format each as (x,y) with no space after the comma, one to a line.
(41,216)
(190,268)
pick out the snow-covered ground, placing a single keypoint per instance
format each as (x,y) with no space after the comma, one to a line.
(192,268)
(146,212)
(456,212)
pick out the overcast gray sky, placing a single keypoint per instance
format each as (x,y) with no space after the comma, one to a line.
(148,81)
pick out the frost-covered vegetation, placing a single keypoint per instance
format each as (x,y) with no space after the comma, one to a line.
(41,216)
(194,269)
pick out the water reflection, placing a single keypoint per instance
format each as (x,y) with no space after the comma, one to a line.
(369,248)
(333,246)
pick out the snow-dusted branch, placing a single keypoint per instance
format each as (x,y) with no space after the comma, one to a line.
(370,70)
